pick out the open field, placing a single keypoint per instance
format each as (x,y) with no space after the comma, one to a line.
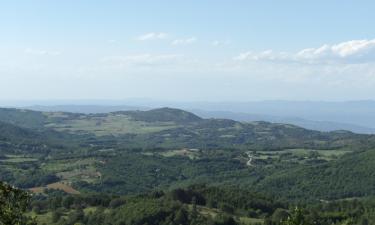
(301,153)
(18,159)
(108,125)
(212,212)
(191,153)
(74,169)
(63,186)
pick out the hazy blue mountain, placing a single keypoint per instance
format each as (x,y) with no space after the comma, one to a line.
(359,113)
(84,108)
(308,124)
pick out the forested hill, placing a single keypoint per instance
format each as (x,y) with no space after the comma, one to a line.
(162,115)
(353,175)
(174,128)
(17,139)
(23,118)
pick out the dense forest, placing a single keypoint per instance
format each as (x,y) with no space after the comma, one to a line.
(199,204)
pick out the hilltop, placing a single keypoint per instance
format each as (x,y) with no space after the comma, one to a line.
(162,115)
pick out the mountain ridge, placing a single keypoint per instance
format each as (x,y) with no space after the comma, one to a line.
(255,111)
(176,128)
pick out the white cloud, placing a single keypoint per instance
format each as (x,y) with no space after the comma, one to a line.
(152,36)
(355,51)
(184,41)
(359,47)
(32,51)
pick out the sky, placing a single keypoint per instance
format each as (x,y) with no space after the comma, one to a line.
(196,50)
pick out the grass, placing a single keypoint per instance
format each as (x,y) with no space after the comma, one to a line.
(68,164)
(88,174)
(73,170)
(249,221)
(43,218)
(305,152)
(63,186)
(192,154)
(300,155)
(211,212)
(46,217)
(109,125)
(18,159)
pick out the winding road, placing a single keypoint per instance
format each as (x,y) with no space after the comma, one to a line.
(248,163)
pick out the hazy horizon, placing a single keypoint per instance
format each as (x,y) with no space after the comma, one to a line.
(151,102)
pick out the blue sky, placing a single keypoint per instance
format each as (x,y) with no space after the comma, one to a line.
(187,50)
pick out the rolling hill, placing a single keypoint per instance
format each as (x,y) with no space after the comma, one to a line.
(318,116)
(169,148)
(174,128)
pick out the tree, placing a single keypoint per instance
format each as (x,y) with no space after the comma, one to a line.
(76,216)
(181,217)
(223,219)
(13,204)
(56,215)
(279,215)
(194,211)
(297,218)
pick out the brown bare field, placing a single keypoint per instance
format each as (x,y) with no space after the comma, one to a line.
(57,186)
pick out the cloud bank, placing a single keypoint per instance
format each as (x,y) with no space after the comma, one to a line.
(350,52)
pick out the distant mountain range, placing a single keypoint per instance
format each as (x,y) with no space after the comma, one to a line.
(355,116)
(308,124)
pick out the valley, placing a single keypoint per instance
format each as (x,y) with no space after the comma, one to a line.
(135,153)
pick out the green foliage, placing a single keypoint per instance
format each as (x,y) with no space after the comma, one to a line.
(153,208)
(23,118)
(351,176)
(297,218)
(193,205)
(163,115)
(13,204)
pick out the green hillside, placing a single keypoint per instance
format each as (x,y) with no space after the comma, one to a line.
(353,175)
(162,115)
(136,152)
